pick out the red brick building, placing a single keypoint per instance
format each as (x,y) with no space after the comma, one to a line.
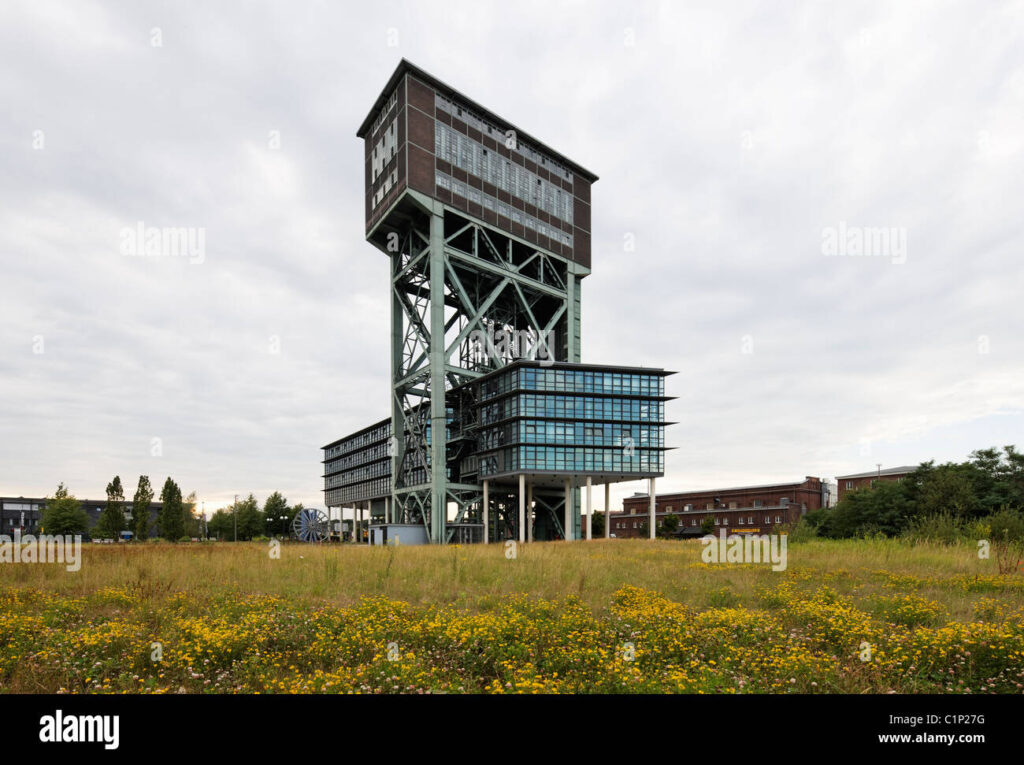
(848,483)
(744,509)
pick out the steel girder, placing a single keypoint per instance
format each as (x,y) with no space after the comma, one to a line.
(452,277)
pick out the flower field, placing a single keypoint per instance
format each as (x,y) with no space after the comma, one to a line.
(730,629)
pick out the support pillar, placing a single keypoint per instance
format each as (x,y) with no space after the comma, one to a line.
(590,512)
(568,525)
(522,507)
(650,510)
(438,413)
(607,511)
(486,499)
(529,511)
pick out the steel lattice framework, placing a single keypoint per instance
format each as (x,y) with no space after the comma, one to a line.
(455,280)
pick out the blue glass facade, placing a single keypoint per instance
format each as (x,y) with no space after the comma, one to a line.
(571,418)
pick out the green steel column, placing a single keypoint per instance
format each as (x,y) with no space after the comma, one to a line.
(572,318)
(574,284)
(397,444)
(438,419)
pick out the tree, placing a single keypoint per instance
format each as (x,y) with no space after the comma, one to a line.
(276,514)
(670,525)
(112,521)
(598,519)
(140,507)
(190,522)
(949,489)
(881,509)
(999,477)
(708,525)
(250,519)
(170,519)
(222,524)
(64,515)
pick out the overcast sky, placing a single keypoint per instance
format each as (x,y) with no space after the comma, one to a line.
(736,144)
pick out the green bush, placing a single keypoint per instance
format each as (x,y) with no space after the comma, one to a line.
(1007,527)
(802,531)
(941,528)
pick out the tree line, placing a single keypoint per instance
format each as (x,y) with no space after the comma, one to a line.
(934,501)
(177,519)
(245,519)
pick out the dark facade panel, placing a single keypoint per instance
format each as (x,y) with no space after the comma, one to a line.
(421,130)
(581,214)
(413,99)
(421,170)
(421,95)
(581,188)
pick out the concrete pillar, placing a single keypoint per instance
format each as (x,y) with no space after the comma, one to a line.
(529,511)
(650,510)
(607,511)
(522,507)
(590,512)
(486,498)
(438,412)
(387,509)
(567,522)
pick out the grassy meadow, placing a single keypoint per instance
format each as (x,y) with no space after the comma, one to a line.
(604,616)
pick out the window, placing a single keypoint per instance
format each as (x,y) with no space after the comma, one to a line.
(733,505)
(693,521)
(758,503)
(767,520)
(750,520)
(849,484)
(778,519)
(741,520)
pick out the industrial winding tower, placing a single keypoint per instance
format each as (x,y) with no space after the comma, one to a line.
(494,421)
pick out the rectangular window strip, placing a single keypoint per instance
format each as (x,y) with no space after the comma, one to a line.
(487,128)
(473,195)
(474,158)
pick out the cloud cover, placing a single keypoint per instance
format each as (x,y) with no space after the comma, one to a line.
(727,139)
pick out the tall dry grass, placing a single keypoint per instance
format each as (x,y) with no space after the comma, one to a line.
(476,576)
